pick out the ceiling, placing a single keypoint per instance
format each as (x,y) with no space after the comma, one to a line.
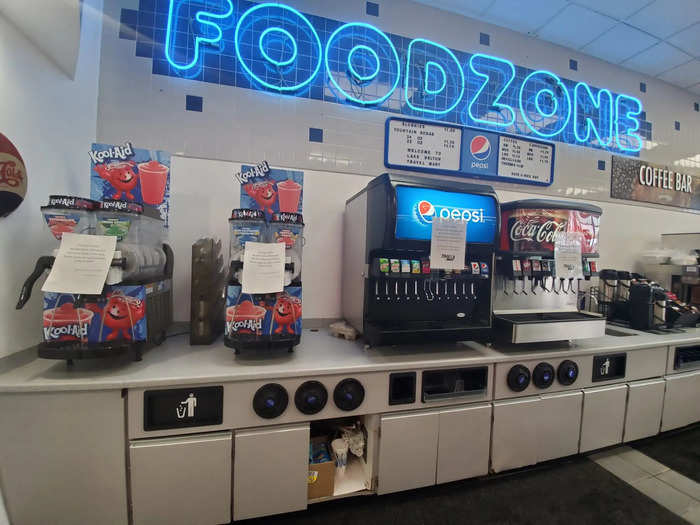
(661,37)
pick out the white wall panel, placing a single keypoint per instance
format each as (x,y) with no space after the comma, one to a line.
(51,119)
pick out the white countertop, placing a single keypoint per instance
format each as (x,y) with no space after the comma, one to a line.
(177,363)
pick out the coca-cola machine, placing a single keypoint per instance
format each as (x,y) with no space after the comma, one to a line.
(533,301)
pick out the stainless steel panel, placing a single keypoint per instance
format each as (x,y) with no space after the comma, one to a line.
(181,480)
(270,470)
(645,403)
(408,448)
(681,406)
(558,425)
(354,261)
(463,444)
(514,438)
(603,416)
(557,331)
(62,457)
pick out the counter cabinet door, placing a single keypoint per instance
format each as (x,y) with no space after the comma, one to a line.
(181,480)
(514,439)
(603,416)
(270,473)
(644,406)
(463,444)
(681,405)
(408,446)
(558,425)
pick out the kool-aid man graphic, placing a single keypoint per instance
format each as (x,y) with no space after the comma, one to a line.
(120,315)
(121,176)
(264,193)
(287,311)
(480,147)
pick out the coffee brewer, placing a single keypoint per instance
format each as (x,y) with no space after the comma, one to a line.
(391,294)
(531,302)
(135,307)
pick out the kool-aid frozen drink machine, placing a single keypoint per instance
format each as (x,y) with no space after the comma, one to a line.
(391,294)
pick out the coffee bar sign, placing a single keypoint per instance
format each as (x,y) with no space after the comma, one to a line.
(637,180)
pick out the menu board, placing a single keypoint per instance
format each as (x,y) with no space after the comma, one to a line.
(417,144)
(524,159)
(467,152)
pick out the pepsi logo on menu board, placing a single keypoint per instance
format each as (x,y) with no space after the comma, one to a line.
(480,147)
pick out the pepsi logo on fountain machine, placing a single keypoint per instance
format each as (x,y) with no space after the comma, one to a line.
(416,207)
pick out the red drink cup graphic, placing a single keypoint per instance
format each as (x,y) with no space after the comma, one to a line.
(154,177)
(66,323)
(245,318)
(289,195)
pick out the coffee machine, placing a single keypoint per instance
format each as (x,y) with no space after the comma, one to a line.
(531,302)
(391,294)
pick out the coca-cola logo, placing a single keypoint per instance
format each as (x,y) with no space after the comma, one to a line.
(527,229)
(9,174)
(71,330)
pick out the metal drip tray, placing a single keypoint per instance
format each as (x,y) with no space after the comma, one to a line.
(535,327)
(540,317)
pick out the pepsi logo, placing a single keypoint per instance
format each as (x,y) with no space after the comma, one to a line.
(480,147)
(426,210)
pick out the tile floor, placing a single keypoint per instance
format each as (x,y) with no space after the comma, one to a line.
(675,492)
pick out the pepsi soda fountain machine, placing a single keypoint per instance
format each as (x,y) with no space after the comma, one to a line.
(390,292)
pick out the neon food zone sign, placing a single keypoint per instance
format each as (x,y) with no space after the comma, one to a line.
(279,49)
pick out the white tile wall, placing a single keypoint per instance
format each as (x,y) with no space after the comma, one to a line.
(245,124)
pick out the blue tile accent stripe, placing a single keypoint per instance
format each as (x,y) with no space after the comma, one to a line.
(128,20)
(218,65)
(193,103)
(315,135)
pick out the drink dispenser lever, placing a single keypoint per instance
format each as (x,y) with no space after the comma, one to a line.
(42,264)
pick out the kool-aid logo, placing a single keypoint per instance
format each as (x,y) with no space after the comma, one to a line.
(252,325)
(426,211)
(71,330)
(112,153)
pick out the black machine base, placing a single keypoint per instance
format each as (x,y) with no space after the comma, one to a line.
(254,343)
(72,350)
(381,334)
